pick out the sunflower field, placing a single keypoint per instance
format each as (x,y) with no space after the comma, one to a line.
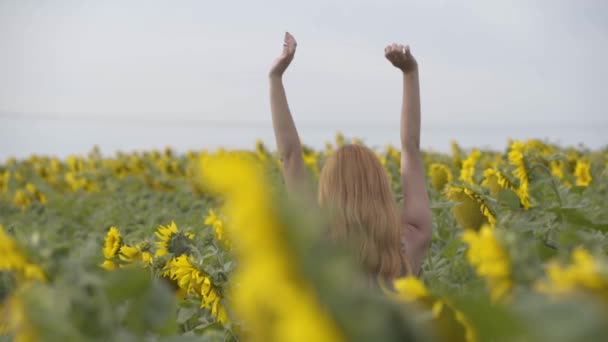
(206,246)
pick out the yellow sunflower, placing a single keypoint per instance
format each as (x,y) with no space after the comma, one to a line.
(516,158)
(472,212)
(467,171)
(21,199)
(171,240)
(14,260)
(582,173)
(490,260)
(112,243)
(584,273)
(191,280)
(411,289)
(440,176)
(218,226)
(495,181)
(132,254)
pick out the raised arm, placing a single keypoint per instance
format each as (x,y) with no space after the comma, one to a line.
(288,142)
(417,219)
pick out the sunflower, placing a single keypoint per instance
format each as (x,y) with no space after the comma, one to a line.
(392,153)
(311,160)
(490,260)
(18,323)
(37,194)
(109,265)
(467,171)
(495,181)
(516,158)
(4,178)
(14,260)
(217,224)
(339,139)
(584,273)
(557,168)
(261,150)
(472,212)
(191,280)
(582,173)
(440,176)
(329,149)
(456,160)
(132,254)
(112,243)
(264,256)
(172,240)
(21,199)
(412,290)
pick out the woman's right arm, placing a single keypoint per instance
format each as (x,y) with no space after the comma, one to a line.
(288,142)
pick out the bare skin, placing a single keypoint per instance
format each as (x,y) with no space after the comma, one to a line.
(288,141)
(417,222)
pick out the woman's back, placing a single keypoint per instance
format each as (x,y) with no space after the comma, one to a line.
(354,187)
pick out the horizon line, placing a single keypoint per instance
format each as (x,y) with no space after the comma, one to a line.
(156,119)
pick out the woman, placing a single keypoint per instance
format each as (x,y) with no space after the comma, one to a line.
(354,187)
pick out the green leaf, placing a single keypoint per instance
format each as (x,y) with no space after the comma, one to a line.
(509,199)
(443,205)
(123,284)
(576,216)
(185,313)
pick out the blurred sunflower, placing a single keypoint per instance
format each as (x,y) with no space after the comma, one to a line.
(582,173)
(467,172)
(472,212)
(584,273)
(516,158)
(339,139)
(412,290)
(329,149)
(495,181)
(263,255)
(37,194)
(218,226)
(4,178)
(311,160)
(132,254)
(440,176)
(490,260)
(456,159)
(14,260)
(15,319)
(261,150)
(21,199)
(112,243)
(557,168)
(394,154)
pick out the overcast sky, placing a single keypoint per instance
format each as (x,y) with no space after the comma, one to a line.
(480,61)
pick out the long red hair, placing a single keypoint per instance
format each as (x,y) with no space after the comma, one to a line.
(354,188)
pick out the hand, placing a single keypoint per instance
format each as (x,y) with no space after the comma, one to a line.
(401,57)
(282,62)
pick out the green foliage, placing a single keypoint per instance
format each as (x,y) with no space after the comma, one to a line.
(137,193)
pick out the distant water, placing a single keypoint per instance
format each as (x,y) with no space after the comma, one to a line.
(21,137)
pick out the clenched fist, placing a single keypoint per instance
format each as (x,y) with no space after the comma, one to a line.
(401,57)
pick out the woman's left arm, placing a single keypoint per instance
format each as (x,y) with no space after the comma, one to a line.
(417,220)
